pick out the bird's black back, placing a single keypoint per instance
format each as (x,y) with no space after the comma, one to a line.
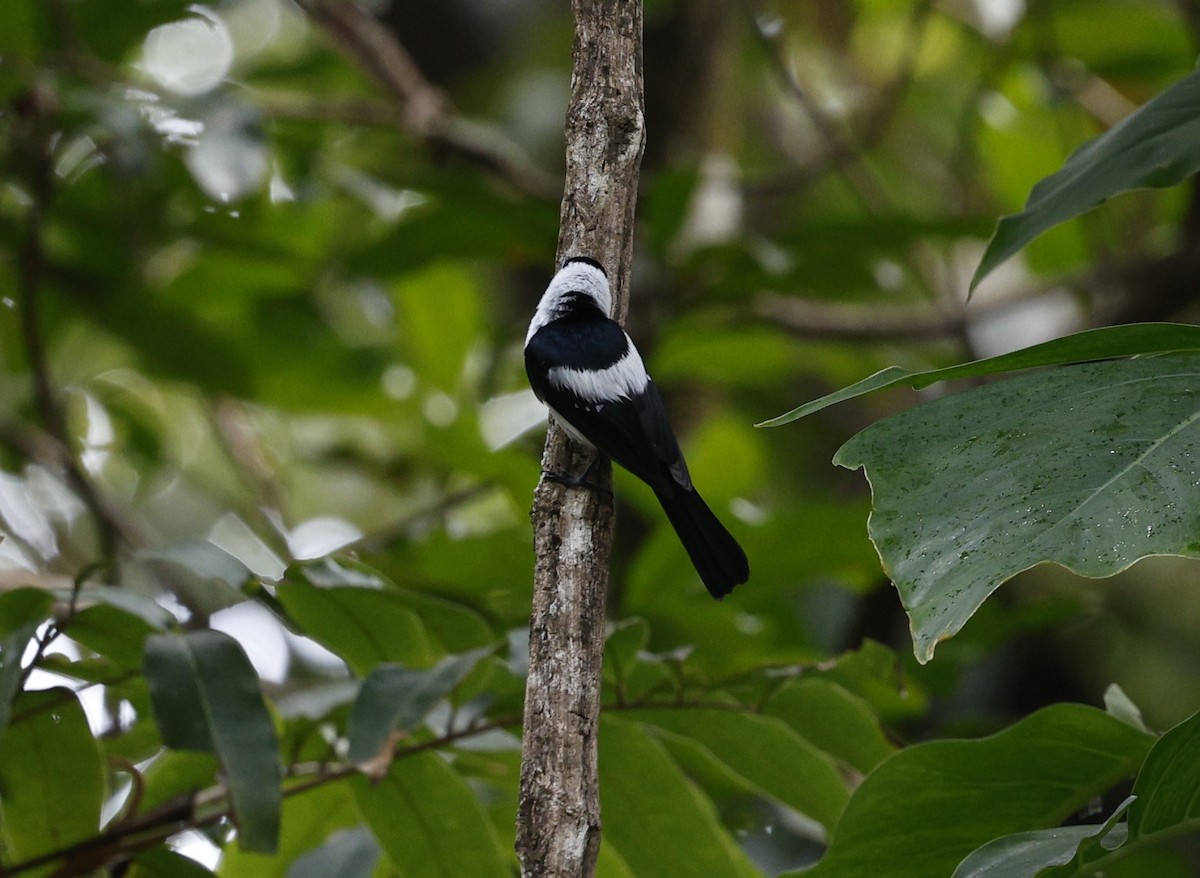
(633,431)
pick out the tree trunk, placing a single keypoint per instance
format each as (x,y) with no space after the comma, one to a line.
(558,819)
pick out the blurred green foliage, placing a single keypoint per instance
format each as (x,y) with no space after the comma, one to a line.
(263,412)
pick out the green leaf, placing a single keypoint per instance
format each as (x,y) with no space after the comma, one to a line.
(436,346)
(1106,343)
(365,626)
(1026,854)
(393,697)
(176,773)
(309,818)
(428,821)
(1090,466)
(165,863)
(51,776)
(1165,803)
(206,697)
(1157,146)
(22,607)
(22,610)
(349,853)
(657,822)
(833,719)
(1167,789)
(112,632)
(766,753)
(928,806)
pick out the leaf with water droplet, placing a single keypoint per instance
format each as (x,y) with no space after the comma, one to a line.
(953,520)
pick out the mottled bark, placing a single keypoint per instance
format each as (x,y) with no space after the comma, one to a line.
(558,821)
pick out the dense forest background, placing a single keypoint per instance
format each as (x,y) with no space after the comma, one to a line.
(265,272)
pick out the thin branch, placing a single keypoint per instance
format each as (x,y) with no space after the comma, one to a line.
(184,812)
(34,147)
(843,149)
(426,111)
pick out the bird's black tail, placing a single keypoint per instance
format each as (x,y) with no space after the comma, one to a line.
(716,555)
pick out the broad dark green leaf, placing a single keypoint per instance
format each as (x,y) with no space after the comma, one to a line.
(365,626)
(656,821)
(766,753)
(928,806)
(1091,466)
(838,722)
(1157,145)
(1106,343)
(398,698)
(206,697)
(428,821)
(51,776)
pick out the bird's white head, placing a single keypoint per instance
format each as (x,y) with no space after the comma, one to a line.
(579,275)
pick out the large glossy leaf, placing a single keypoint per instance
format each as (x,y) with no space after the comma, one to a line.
(428,821)
(1158,145)
(1164,804)
(924,809)
(396,698)
(1106,343)
(1091,466)
(206,697)
(655,820)
(765,752)
(51,776)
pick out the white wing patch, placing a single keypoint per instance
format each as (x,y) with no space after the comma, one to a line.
(625,378)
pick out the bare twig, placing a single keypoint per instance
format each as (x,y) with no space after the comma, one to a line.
(34,148)
(427,113)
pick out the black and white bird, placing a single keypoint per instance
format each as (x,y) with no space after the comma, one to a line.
(587,370)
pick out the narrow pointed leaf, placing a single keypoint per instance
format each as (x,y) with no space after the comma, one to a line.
(398,698)
(1106,343)
(1091,466)
(206,697)
(1157,145)
(766,753)
(429,822)
(654,818)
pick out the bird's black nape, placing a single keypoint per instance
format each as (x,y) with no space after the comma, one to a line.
(586,260)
